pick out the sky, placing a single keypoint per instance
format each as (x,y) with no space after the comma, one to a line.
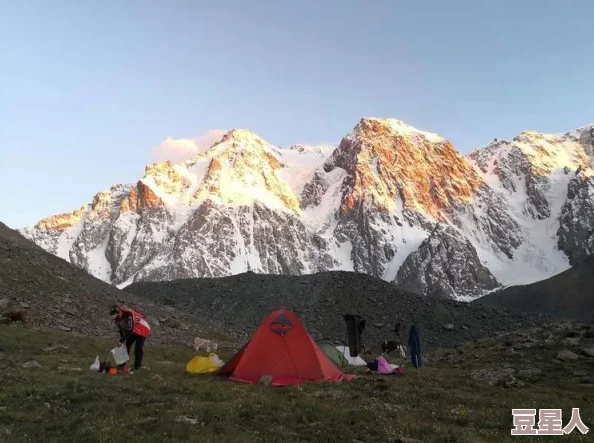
(92,92)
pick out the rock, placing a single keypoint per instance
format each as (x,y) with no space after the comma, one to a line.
(32,364)
(4,320)
(566,355)
(588,351)
(76,369)
(185,419)
(265,380)
(513,382)
(580,373)
(53,346)
(378,325)
(4,304)
(153,321)
(183,326)
(493,375)
(448,327)
(157,378)
(172,323)
(464,327)
(168,301)
(163,319)
(65,328)
(24,305)
(71,311)
(573,341)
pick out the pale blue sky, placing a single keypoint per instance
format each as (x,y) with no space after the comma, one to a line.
(88,89)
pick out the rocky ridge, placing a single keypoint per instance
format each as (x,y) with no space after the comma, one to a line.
(240,303)
(60,296)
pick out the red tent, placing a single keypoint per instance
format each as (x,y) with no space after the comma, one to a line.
(282,349)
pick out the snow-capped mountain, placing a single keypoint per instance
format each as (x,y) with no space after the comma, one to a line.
(390,200)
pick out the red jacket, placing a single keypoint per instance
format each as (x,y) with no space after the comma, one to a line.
(132,322)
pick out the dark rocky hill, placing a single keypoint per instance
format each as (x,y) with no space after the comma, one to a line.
(321,300)
(569,294)
(61,296)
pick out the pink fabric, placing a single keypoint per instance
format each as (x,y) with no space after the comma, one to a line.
(383,367)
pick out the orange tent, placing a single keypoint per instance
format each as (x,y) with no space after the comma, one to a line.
(282,349)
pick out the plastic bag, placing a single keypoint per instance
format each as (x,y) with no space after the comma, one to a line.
(120,355)
(96,365)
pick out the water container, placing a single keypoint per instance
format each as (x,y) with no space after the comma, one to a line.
(120,355)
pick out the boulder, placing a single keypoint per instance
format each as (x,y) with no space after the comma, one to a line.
(566,355)
(171,323)
(571,341)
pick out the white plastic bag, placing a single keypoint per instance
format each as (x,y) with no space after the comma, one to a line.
(120,355)
(96,365)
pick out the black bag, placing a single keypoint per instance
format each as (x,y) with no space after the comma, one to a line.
(355,328)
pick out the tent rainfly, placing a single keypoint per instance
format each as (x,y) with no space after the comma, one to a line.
(283,351)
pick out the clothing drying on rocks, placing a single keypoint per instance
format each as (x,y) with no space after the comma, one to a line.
(133,329)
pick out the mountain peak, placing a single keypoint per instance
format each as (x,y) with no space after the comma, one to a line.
(390,163)
(374,125)
(243,136)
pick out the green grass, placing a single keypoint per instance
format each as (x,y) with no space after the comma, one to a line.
(439,404)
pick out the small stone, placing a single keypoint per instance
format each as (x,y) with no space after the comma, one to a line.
(65,328)
(580,373)
(32,364)
(566,355)
(448,327)
(185,419)
(168,301)
(24,305)
(265,380)
(465,327)
(378,325)
(4,304)
(163,319)
(53,346)
(76,369)
(183,326)
(72,312)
